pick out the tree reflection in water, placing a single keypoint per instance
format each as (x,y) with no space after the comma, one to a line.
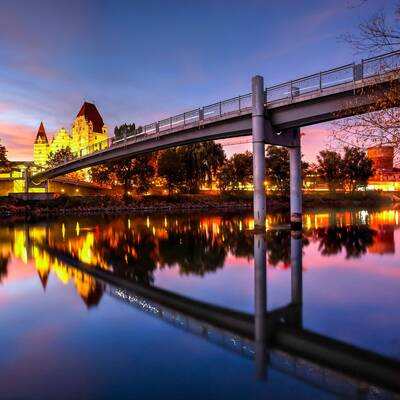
(353,239)
(198,245)
(133,256)
(133,248)
(4,267)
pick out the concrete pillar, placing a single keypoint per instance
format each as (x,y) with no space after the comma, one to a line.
(258,151)
(296,258)
(26,180)
(260,303)
(295,186)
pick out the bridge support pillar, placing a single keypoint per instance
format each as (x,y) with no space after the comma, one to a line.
(260,303)
(295,186)
(258,151)
(26,181)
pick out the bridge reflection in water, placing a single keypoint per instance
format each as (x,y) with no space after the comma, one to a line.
(274,339)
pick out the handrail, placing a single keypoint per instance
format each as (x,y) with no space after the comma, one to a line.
(282,91)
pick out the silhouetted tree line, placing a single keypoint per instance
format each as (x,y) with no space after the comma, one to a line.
(186,168)
(197,249)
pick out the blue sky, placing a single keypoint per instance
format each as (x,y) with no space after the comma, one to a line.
(141,61)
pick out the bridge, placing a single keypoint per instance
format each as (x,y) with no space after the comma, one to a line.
(274,339)
(272,116)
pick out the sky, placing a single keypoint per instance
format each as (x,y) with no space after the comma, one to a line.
(141,61)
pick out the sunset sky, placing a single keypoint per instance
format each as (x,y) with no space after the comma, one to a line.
(142,61)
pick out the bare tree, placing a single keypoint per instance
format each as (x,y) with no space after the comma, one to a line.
(376,34)
(380,124)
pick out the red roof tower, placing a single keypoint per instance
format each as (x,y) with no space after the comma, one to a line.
(90,112)
(41,136)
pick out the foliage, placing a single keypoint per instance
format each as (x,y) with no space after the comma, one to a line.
(5,165)
(60,157)
(143,172)
(171,168)
(357,168)
(187,167)
(200,162)
(236,171)
(137,172)
(330,169)
(124,130)
(102,174)
(212,157)
(277,167)
(350,171)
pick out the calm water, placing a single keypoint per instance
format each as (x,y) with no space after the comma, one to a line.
(66,334)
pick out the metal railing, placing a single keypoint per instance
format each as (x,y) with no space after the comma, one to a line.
(319,82)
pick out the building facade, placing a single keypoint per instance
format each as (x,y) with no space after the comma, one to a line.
(386,177)
(88,130)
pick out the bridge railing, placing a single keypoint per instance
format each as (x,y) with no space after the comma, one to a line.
(315,83)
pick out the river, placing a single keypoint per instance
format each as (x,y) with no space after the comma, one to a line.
(153,305)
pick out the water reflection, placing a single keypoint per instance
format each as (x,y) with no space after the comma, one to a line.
(260,303)
(120,257)
(338,367)
(135,247)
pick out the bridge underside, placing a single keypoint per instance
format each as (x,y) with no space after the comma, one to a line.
(281,118)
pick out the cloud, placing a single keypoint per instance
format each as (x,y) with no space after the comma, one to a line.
(18,140)
(315,139)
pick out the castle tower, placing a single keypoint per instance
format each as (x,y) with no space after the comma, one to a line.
(62,139)
(88,129)
(41,147)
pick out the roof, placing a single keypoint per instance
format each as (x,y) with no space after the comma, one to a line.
(90,112)
(41,134)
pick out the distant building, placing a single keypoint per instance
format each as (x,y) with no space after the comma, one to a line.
(41,147)
(386,177)
(88,130)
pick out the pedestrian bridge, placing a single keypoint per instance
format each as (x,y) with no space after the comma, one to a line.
(313,99)
(272,116)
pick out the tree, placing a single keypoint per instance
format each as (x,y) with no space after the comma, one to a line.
(226,178)
(60,157)
(137,171)
(238,170)
(5,164)
(125,130)
(212,159)
(377,33)
(277,167)
(143,172)
(201,161)
(330,169)
(171,167)
(379,125)
(102,174)
(4,260)
(357,168)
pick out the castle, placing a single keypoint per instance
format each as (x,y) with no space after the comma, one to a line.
(88,129)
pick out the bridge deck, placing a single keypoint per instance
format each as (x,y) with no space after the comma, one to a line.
(309,100)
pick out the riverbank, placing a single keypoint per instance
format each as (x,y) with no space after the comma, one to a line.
(185,203)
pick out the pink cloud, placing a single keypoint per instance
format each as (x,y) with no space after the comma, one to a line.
(315,139)
(18,140)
